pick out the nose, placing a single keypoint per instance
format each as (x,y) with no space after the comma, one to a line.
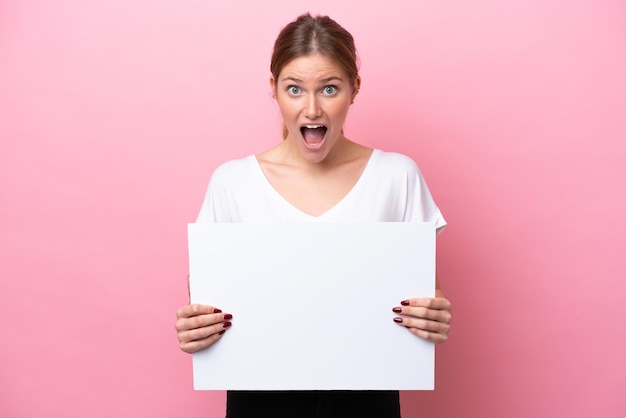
(313,109)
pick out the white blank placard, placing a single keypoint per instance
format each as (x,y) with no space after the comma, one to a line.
(312,304)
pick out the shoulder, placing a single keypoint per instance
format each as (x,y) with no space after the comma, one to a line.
(395,162)
(232,171)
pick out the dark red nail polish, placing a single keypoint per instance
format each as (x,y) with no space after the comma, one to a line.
(221,332)
(397,320)
(405,303)
(397,309)
(228,316)
(217,310)
(226,324)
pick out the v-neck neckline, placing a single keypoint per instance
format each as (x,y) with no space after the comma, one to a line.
(267,185)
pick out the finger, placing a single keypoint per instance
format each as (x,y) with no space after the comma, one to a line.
(199,334)
(425,313)
(428,330)
(429,336)
(431,303)
(197,345)
(423,324)
(188,311)
(200,321)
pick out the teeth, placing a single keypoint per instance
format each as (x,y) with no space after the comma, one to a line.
(313,126)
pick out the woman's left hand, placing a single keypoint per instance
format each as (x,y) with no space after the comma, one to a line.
(428,318)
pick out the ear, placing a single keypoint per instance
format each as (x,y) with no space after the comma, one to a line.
(273,86)
(357,87)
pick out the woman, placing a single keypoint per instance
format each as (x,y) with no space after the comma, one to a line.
(316,174)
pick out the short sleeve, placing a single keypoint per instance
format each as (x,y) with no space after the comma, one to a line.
(207,210)
(215,206)
(421,206)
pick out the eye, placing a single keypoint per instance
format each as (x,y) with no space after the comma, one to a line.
(329,90)
(294,90)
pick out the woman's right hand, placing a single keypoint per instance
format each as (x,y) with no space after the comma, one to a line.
(199,326)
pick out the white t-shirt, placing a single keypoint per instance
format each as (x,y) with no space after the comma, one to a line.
(390,189)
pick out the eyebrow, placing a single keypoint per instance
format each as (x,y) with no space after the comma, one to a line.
(323,81)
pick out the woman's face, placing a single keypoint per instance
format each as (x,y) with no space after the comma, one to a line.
(314,95)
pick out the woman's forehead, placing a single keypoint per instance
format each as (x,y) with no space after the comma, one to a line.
(312,67)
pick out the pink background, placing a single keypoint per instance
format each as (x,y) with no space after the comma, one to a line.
(113,115)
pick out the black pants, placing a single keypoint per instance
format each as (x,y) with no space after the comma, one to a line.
(313,404)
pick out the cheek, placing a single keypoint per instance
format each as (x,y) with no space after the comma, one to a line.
(340,110)
(286,111)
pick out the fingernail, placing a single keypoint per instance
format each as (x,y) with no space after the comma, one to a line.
(217,310)
(405,303)
(226,324)
(397,320)
(397,309)
(228,316)
(221,332)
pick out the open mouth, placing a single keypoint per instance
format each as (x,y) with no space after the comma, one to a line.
(313,134)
